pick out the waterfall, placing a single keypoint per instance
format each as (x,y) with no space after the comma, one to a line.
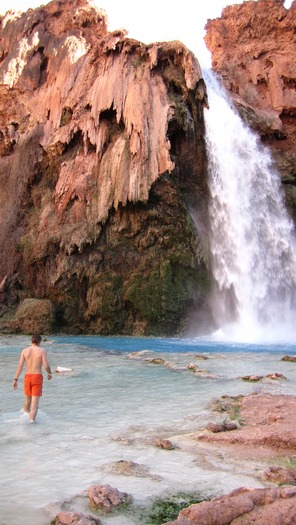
(252,238)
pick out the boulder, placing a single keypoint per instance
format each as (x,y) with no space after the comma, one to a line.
(34,316)
(165,444)
(222,427)
(107,498)
(128,468)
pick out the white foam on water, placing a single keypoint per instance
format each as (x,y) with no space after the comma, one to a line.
(252,238)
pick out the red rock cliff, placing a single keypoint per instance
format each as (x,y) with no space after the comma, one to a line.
(253,48)
(98,134)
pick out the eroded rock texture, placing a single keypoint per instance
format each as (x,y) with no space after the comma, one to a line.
(268,423)
(243,506)
(253,48)
(101,158)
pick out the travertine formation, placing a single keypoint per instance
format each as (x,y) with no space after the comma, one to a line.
(267,432)
(266,439)
(253,48)
(76,87)
(268,423)
(243,506)
(90,124)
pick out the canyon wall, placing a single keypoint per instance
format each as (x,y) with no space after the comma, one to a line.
(253,48)
(102,169)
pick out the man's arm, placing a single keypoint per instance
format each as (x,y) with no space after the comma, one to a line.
(46,364)
(19,370)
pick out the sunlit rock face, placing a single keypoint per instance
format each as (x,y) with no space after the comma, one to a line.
(101,157)
(253,49)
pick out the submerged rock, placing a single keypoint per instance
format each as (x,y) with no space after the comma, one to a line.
(290,358)
(75,518)
(127,468)
(165,444)
(252,378)
(156,361)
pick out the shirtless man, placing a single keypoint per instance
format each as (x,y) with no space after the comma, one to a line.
(34,357)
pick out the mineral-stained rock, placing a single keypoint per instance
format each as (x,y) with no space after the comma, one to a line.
(127,468)
(106,498)
(280,475)
(101,156)
(32,315)
(130,468)
(268,423)
(222,427)
(275,375)
(268,428)
(243,506)
(253,377)
(291,358)
(165,444)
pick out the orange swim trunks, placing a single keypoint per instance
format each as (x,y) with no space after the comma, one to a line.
(33,384)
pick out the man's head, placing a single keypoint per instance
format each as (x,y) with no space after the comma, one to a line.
(36,339)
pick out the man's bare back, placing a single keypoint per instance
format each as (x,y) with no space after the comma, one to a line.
(34,358)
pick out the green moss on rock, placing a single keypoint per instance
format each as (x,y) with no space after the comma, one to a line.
(167,508)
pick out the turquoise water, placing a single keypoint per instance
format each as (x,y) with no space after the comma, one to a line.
(112,406)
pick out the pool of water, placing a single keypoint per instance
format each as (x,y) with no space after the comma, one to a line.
(112,406)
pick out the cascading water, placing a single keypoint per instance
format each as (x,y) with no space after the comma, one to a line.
(252,238)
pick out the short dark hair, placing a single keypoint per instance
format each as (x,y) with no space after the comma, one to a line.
(36,339)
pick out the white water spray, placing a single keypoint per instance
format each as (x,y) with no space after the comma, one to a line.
(252,238)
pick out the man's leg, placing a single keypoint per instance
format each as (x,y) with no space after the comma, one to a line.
(34,407)
(27,404)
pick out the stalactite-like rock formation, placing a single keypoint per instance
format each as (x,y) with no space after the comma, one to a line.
(101,152)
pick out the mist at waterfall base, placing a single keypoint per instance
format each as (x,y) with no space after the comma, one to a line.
(111,408)
(252,238)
